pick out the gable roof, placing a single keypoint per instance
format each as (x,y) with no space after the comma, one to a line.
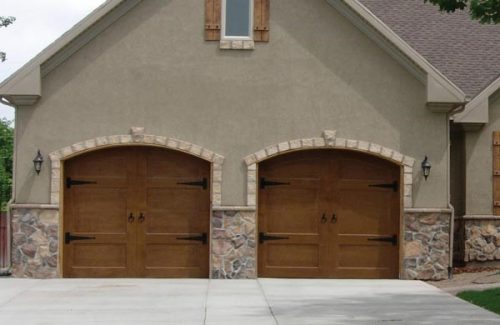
(464,50)
(24,86)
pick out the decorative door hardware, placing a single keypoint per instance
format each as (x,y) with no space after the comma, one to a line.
(68,238)
(334,218)
(264,183)
(141,218)
(131,218)
(391,239)
(203,183)
(323,218)
(202,238)
(263,237)
(70,182)
(394,185)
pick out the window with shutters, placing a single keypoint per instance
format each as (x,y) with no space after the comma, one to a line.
(237,24)
(496,173)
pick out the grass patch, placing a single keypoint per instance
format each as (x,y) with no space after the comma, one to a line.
(488,299)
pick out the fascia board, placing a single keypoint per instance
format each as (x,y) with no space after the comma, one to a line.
(447,91)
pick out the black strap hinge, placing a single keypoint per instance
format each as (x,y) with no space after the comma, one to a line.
(264,237)
(68,238)
(264,183)
(391,239)
(394,185)
(203,183)
(70,182)
(203,238)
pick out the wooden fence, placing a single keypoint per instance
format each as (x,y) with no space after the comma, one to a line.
(3,240)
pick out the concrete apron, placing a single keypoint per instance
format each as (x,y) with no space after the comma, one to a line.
(262,302)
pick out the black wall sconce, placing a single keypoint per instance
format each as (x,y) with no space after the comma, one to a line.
(37,162)
(426,167)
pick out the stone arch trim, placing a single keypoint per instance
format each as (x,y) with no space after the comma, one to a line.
(329,140)
(79,148)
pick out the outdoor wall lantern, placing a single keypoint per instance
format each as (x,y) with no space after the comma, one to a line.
(37,162)
(426,167)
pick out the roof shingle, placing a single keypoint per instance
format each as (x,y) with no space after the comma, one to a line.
(465,51)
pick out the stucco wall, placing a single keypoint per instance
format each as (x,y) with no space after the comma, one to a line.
(479,160)
(153,68)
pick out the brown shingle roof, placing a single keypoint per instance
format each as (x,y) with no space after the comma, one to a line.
(465,51)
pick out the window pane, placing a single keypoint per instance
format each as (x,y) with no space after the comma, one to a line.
(237,17)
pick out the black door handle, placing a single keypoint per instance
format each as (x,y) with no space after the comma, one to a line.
(334,218)
(323,218)
(131,218)
(141,217)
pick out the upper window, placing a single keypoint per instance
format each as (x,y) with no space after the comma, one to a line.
(237,22)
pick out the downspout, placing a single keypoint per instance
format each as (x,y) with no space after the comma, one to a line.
(6,271)
(448,187)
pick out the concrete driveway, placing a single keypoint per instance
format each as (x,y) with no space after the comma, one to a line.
(256,302)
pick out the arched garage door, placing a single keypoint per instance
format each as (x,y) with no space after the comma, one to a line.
(329,214)
(136,212)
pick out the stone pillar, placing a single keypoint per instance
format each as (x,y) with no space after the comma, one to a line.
(482,238)
(233,244)
(426,244)
(35,242)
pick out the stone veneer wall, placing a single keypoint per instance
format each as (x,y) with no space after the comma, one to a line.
(35,242)
(35,239)
(482,239)
(426,245)
(233,245)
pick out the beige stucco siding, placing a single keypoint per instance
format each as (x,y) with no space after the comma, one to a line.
(479,160)
(152,68)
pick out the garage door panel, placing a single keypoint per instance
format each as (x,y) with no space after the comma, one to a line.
(177,199)
(160,222)
(107,212)
(163,165)
(365,255)
(97,164)
(173,255)
(362,212)
(361,167)
(293,255)
(100,255)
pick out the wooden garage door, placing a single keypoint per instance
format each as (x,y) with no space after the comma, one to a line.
(136,212)
(330,214)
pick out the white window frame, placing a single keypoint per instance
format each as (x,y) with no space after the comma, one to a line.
(223,21)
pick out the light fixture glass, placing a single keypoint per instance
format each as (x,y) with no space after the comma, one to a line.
(426,167)
(37,162)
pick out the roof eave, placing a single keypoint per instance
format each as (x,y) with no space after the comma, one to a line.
(24,86)
(477,110)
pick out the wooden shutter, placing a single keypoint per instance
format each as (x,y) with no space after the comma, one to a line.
(261,20)
(213,11)
(212,19)
(496,173)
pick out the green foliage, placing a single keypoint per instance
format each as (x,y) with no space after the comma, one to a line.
(4,22)
(486,11)
(488,299)
(6,149)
